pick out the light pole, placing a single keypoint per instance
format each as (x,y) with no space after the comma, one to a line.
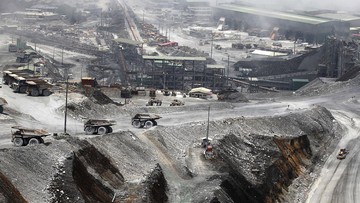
(211,46)
(164,79)
(207,128)
(103,76)
(66,101)
(228,67)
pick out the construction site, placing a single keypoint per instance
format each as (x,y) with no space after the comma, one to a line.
(169,101)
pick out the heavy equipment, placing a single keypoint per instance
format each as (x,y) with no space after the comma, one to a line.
(38,87)
(25,136)
(152,93)
(177,102)
(19,83)
(9,75)
(209,152)
(153,101)
(144,120)
(96,126)
(342,154)
(166,93)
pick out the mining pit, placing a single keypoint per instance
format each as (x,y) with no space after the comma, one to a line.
(247,113)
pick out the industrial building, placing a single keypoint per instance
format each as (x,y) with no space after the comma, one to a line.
(354,21)
(200,8)
(309,28)
(181,73)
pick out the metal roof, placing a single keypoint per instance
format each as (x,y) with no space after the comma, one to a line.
(339,16)
(299,80)
(127,41)
(215,66)
(274,14)
(174,58)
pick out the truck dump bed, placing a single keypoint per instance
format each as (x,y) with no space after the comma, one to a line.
(147,116)
(31,132)
(97,122)
(2,101)
(38,82)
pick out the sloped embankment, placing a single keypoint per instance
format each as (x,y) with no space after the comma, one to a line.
(112,168)
(29,170)
(116,167)
(278,160)
(261,156)
(8,192)
(95,175)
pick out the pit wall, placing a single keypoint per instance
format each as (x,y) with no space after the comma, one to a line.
(9,192)
(96,174)
(262,155)
(290,162)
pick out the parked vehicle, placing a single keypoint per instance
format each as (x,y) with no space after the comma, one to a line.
(13,48)
(177,102)
(94,126)
(152,93)
(38,87)
(153,101)
(144,120)
(24,136)
(166,93)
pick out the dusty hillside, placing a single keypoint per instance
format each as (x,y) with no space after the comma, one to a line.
(252,151)
(124,165)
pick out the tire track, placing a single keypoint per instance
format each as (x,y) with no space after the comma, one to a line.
(339,178)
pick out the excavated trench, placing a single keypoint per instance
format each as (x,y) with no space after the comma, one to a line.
(90,176)
(257,158)
(8,192)
(282,159)
(295,155)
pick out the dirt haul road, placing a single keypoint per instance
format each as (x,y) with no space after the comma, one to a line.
(39,112)
(339,179)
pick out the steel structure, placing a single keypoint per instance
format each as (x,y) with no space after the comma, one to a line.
(180,73)
(311,28)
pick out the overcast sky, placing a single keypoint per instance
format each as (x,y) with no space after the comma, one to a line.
(351,5)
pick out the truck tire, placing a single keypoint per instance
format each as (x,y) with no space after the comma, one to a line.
(109,129)
(46,92)
(155,123)
(89,130)
(22,89)
(1,109)
(101,130)
(34,141)
(34,92)
(18,141)
(136,123)
(148,124)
